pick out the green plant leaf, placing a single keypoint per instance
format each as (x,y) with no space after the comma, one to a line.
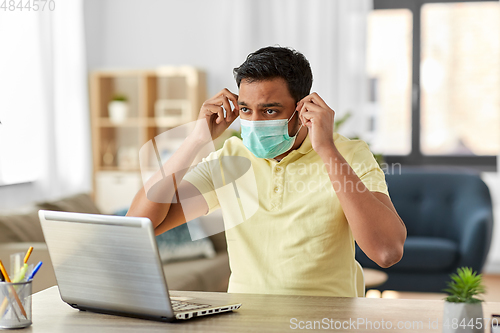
(120,97)
(464,285)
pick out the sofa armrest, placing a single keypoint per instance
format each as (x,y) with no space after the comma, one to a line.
(45,278)
(475,238)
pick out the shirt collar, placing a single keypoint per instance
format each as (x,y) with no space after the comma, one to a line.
(306,146)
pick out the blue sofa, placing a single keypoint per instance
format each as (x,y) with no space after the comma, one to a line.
(449,220)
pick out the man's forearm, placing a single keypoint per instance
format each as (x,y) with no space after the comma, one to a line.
(377,228)
(154,198)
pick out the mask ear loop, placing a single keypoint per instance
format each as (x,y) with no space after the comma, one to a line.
(300,123)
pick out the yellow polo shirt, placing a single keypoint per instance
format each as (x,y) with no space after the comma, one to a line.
(298,242)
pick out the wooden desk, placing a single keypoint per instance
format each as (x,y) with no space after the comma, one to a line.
(259,313)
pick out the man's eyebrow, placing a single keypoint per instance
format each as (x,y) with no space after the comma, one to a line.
(264,105)
(270,105)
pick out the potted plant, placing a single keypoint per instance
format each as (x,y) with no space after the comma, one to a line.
(118,109)
(463,310)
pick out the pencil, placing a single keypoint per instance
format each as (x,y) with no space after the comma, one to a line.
(6,302)
(28,254)
(7,279)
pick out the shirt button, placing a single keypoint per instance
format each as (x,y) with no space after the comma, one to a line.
(276,189)
(279,170)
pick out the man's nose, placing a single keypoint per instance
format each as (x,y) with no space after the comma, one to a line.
(257,116)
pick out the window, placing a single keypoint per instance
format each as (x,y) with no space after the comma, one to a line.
(389,67)
(436,69)
(20,98)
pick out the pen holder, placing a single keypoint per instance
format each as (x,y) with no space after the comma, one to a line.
(15,306)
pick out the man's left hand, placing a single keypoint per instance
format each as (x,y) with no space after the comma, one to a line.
(318,117)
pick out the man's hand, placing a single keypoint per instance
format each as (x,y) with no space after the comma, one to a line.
(318,117)
(375,224)
(213,112)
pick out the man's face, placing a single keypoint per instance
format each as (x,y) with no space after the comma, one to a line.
(267,100)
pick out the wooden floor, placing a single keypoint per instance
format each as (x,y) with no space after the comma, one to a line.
(491,282)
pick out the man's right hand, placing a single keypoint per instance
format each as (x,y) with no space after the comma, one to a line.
(213,112)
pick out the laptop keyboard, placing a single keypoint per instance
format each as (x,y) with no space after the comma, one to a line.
(187,306)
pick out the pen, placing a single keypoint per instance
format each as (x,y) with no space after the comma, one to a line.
(28,254)
(18,278)
(29,278)
(6,299)
(20,274)
(35,270)
(7,279)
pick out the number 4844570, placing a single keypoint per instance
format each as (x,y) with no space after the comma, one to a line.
(28,5)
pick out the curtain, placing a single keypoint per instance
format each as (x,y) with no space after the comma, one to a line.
(45,131)
(332,36)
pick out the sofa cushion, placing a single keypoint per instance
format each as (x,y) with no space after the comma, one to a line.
(177,243)
(78,203)
(429,254)
(21,225)
(219,242)
(199,274)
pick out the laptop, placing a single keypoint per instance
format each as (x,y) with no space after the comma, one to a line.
(110,264)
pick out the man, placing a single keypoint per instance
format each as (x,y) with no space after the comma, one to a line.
(317,190)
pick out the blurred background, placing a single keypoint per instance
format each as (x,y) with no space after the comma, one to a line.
(84,84)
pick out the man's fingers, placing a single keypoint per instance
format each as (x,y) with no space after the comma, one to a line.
(308,112)
(214,109)
(234,99)
(230,96)
(224,93)
(227,106)
(220,117)
(306,117)
(223,102)
(318,100)
(302,121)
(309,106)
(299,105)
(314,98)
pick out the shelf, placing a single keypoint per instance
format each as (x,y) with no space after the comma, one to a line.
(114,73)
(159,100)
(166,122)
(129,122)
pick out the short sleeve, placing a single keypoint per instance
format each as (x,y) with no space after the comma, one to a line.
(201,178)
(367,169)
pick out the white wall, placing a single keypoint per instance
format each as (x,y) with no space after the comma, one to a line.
(147,34)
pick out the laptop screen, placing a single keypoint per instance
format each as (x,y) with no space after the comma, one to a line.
(106,262)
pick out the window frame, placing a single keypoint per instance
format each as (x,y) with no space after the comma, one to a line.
(416,158)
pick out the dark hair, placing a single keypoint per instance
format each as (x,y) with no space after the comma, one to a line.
(278,62)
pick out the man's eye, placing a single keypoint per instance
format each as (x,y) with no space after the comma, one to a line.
(244,110)
(269,111)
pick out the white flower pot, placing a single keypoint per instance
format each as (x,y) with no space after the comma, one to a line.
(118,111)
(463,318)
